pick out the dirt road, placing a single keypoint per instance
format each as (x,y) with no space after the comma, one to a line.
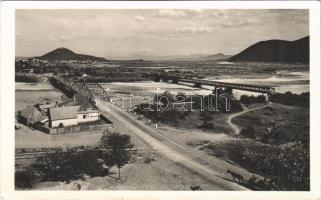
(246,110)
(172,150)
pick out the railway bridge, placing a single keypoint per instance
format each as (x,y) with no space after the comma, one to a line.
(218,85)
(90,90)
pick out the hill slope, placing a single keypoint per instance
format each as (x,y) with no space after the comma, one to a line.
(276,51)
(218,56)
(66,54)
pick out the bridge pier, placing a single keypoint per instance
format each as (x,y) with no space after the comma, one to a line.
(198,85)
(175,81)
(267,97)
(223,90)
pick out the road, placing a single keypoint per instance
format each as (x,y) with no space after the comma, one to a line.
(235,127)
(178,153)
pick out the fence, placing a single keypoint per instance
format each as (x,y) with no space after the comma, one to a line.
(78,128)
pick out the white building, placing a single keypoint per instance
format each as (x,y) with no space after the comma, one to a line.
(71,116)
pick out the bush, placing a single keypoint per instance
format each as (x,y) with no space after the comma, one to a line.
(25,179)
(207,125)
(291,99)
(206,116)
(69,165)
(26,78)
(248,132)
(245,99)
(285,169)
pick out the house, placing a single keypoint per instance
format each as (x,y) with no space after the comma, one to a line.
(71,116)
(88,115)
(31,116)
(63,116)
(46,106)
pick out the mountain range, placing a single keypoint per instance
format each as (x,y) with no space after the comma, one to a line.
(279,51)
(192,57)
(66,54)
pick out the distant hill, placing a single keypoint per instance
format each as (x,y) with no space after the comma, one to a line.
(66,54)
(192,57)
(281,51)
(218,56)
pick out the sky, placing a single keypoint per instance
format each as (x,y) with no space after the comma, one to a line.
(114,33)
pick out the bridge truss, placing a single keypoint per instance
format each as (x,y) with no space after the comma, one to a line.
(229,86)
(90,90)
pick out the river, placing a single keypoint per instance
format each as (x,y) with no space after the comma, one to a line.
(282,81)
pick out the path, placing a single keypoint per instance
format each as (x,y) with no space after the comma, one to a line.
(235,127)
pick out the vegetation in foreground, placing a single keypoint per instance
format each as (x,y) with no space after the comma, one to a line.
(26,78)
(275,124)
(75,163)
(280,168)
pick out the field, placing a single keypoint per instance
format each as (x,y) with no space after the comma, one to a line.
(290,121)
(32,97)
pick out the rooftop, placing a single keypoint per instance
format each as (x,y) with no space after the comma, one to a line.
(33,115)
(65,112)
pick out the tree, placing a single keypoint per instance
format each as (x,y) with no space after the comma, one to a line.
(165,98)
(25,178)
(260,99)
(58,166)
(71,164)
(248,132)
(118,147)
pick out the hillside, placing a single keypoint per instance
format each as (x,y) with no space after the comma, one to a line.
(218,56)
(276,51)
(66,54)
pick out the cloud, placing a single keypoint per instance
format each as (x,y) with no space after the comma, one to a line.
(178,14)
(195,30)
(139,18)
(230,23)
(60,38)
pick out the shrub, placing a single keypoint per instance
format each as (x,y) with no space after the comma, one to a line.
(69,165)
(25,179)
(248,132)
(246,99)
(285,169)
(26,78)
(207,125)
(291,99)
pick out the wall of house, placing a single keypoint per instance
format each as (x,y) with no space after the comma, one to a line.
(65,122)
(88,117)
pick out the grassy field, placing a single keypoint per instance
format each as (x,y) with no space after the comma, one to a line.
(28,97)
(194,121)
(290,122)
